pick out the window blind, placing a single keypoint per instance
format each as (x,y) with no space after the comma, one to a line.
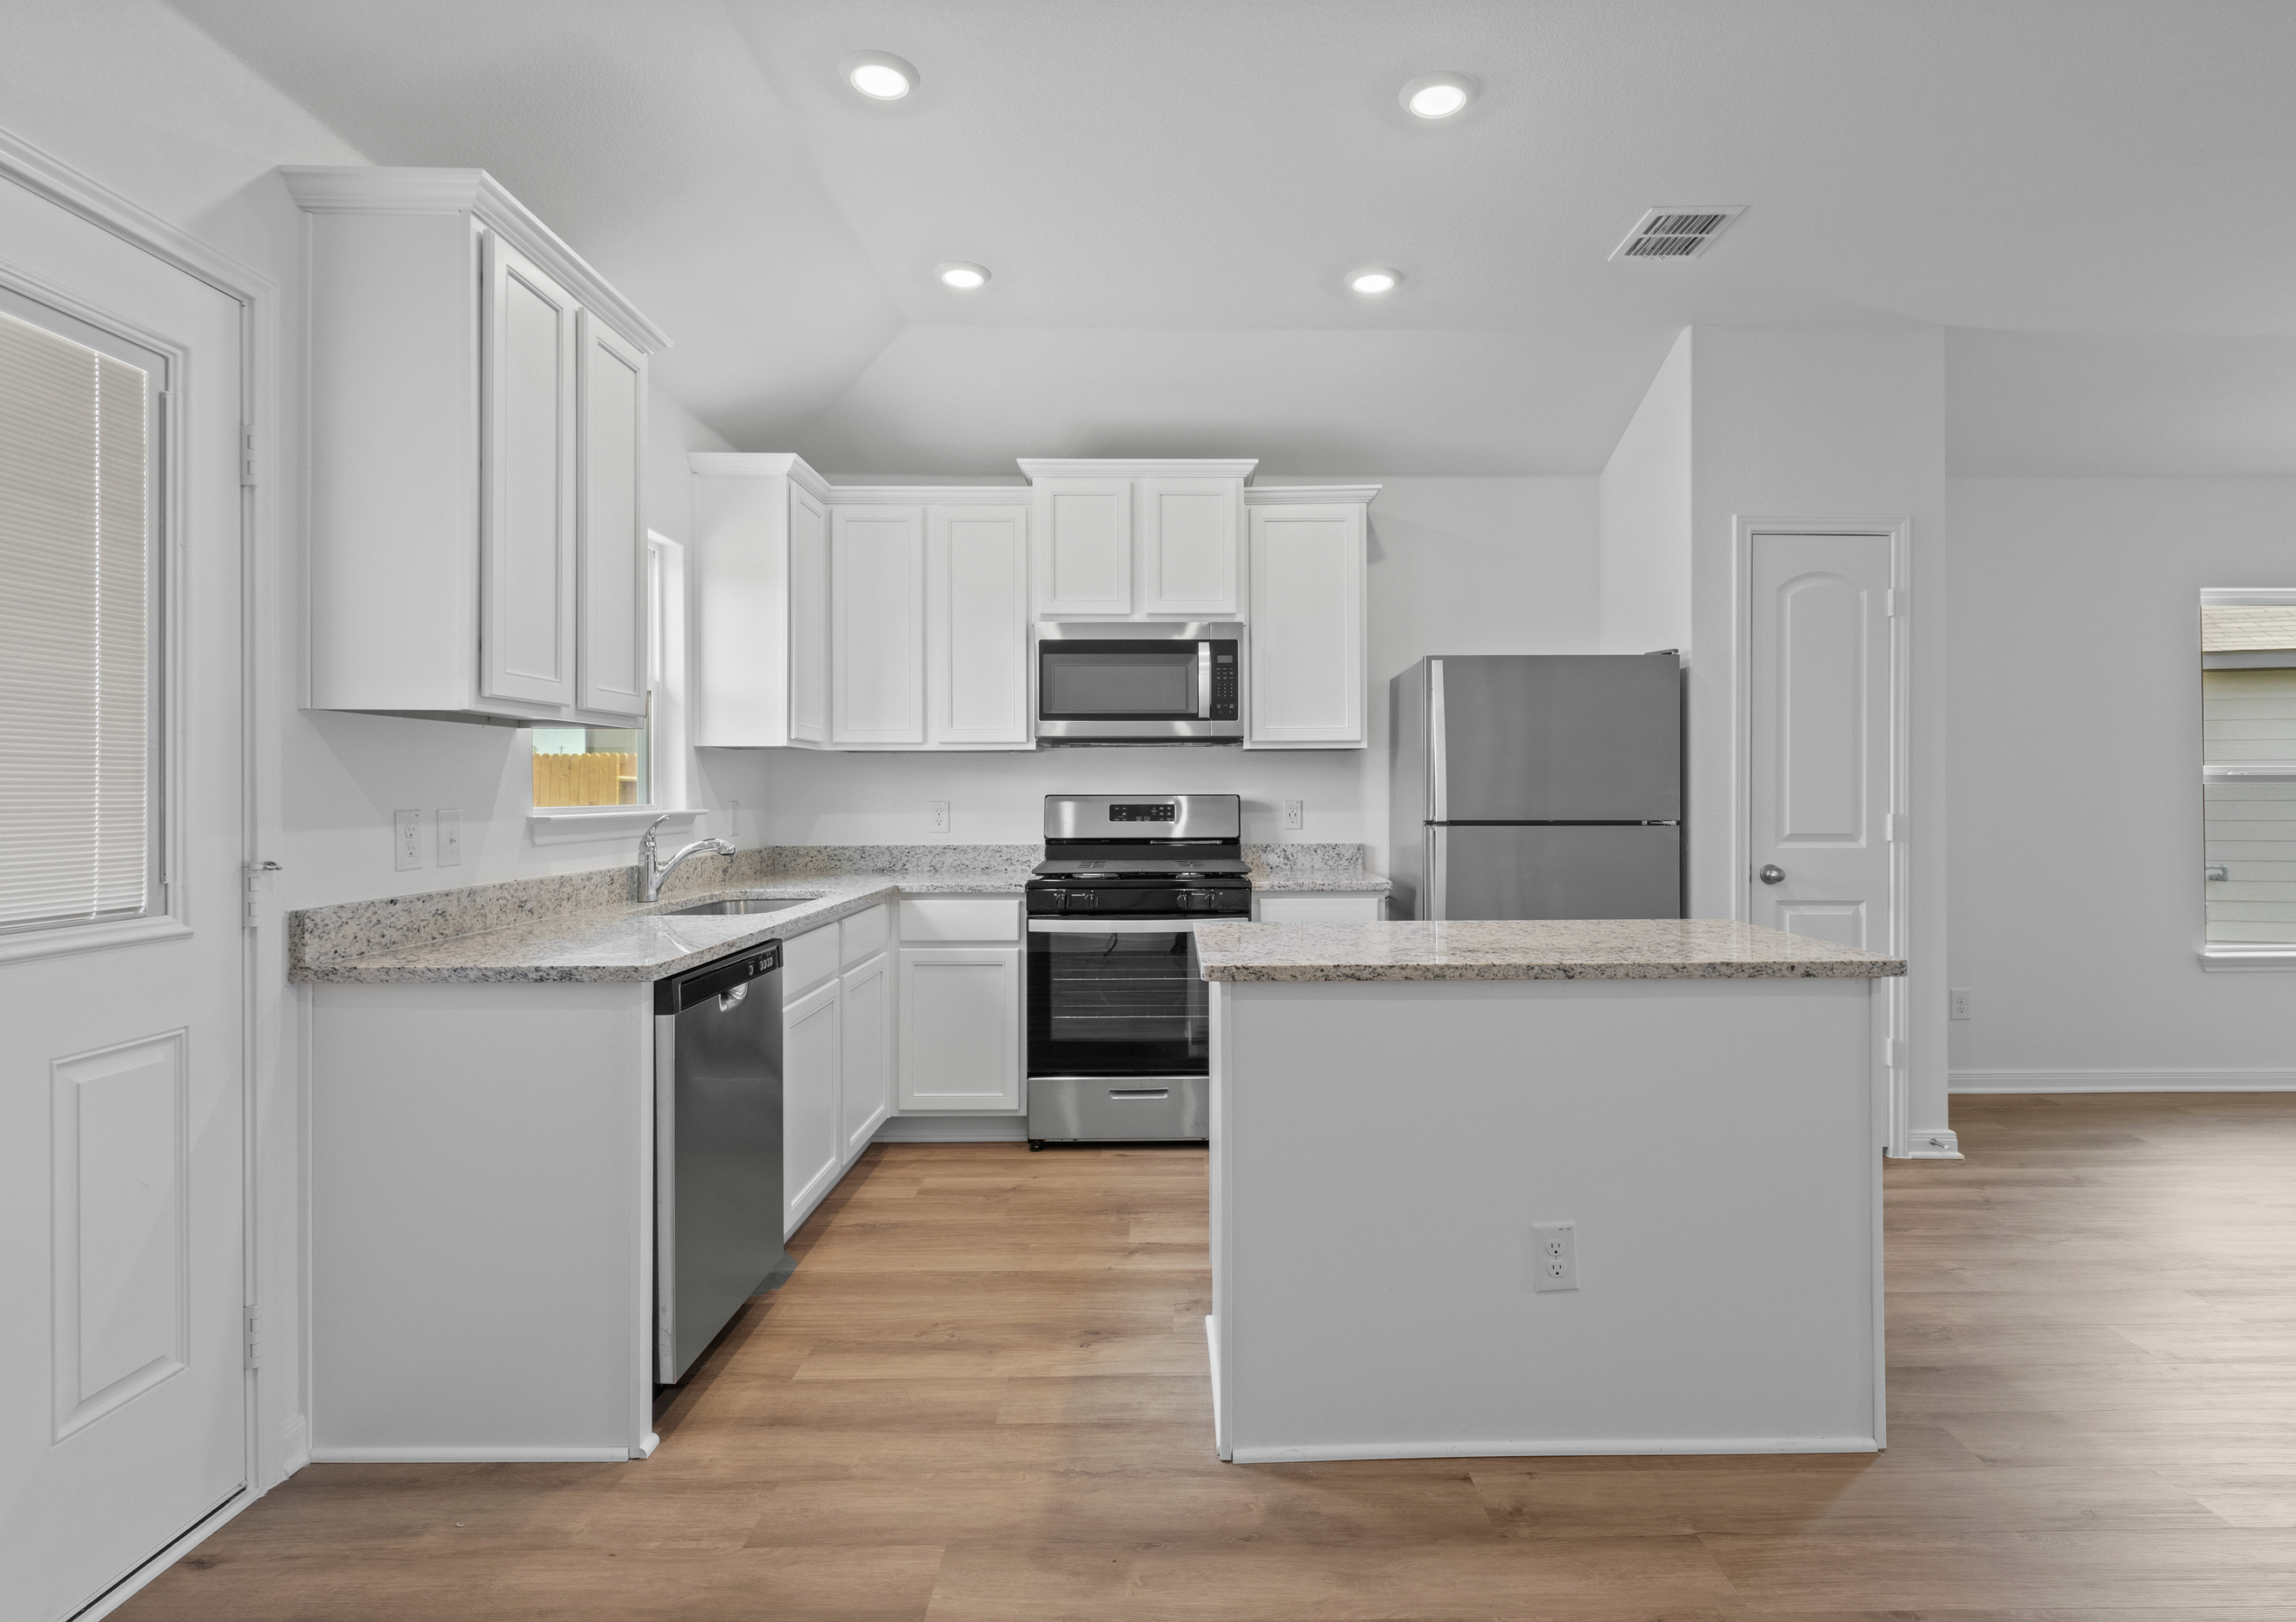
(75,640)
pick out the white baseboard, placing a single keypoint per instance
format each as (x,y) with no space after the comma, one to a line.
(1515,1447)
(2121,1081)
(953,1129)
(137,1580)
(1211,1344)
(1936,1143)
(294,1446)
(469,1456)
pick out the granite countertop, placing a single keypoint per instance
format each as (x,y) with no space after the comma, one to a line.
(1547,949)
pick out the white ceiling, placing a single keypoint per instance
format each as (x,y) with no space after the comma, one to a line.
(2095,195)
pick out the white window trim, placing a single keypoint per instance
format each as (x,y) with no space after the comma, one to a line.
(2234,959)
(669,757)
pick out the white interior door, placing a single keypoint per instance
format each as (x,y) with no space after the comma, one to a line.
(123,1397)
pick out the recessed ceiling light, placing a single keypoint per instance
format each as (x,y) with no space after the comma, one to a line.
(961,275)
(1439,95)
(1373,279)
(878,75)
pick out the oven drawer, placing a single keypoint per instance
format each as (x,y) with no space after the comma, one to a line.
(1071,1109)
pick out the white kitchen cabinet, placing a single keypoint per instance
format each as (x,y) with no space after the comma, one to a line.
(1084,546)
(808,618)
(1138,539)
(877,623)
(610,520)
(760,601)
(1306,687)
(476,533)
(1188,547)
(976,626)
(812,1146)
(960,1018)
(866,1071)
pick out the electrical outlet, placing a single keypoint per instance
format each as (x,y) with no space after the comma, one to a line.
(937,815)
(1956,1002)
(450,839)
(1295,814)
(1554,1256)
(407,840)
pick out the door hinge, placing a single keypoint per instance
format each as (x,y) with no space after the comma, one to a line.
(1895,603)
(247,456)
(254,1338)
(1893,827)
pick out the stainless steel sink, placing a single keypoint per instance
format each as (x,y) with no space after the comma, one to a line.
(738,905)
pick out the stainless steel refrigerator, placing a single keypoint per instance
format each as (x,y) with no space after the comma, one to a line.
(1537,786)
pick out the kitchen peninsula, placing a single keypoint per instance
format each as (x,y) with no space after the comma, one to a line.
(1687,1107)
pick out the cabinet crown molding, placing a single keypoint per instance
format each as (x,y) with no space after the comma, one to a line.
(1161,467)
(759,465)
(372,189)
(1310,495)
(928,495)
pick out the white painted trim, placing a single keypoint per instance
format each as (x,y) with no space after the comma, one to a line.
(469,1456)
(1124,467)
(759,465)
(137,1580)
(1895,1081)
(1220,1419)
(66,938)
(1311,495)
(1941,1144)
(953,1129)
(365,189)
(1516,1447)
(2123,1081)
(610,816)
(928,495)
(2259,597)
(2233,959)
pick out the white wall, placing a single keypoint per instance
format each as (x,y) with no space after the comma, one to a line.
(1463,565)
(1645,519)
(2076,718)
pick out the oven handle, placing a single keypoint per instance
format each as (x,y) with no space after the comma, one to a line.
(1121,926)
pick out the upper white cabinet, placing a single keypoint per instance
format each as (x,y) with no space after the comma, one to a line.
(976,626)
(1138,539)
(477,416)
(1306,687)
(876,620)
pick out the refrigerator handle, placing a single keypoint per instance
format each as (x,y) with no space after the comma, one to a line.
(1433,906)
(1438,776)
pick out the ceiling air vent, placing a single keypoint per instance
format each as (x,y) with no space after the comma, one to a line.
(1676,233)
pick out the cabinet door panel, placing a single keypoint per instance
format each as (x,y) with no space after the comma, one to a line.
(1188,545)
(612,522)
(876,605)
(811,1040)
(977,624)
(808,618)
(1084,546)
(865,1074)
(960,1017)
(527,552)
(1307,627)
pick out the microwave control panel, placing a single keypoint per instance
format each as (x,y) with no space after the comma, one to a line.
(1224,679)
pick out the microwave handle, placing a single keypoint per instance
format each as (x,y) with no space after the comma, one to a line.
(1203,681)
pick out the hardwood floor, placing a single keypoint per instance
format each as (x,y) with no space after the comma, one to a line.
(983,1399)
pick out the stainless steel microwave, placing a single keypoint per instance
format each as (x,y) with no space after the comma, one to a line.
(1139,682)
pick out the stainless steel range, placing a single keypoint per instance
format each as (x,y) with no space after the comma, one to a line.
(1120,1041)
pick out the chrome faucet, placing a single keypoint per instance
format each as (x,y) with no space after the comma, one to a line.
(656,872)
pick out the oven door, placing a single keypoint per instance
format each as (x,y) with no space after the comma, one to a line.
(1116,997)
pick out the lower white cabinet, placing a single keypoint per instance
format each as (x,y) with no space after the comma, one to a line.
(960,1012)
(866,1090)
(812,1147)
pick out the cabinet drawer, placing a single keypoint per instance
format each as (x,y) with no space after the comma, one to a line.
(808,960)
(865,934)
(1319,909)
(961,917)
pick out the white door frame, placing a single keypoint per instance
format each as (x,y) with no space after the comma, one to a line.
(1892,1082)
(272,1225)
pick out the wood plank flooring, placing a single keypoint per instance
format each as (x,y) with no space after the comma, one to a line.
(983,1399)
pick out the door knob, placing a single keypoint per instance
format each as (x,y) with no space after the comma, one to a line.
(1772,874)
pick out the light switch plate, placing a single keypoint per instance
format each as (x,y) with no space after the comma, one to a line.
(450,839)
(405,840)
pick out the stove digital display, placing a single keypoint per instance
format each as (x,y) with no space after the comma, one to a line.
(1144,814)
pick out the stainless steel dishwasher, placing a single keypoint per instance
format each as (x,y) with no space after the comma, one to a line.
(717,1149)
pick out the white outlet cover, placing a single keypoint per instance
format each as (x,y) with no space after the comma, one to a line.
(407,840)
(1552,1261)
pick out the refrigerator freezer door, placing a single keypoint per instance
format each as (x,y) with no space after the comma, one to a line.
(1554,873)
(1559,738)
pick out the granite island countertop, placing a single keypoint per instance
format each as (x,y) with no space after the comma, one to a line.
(1543,949)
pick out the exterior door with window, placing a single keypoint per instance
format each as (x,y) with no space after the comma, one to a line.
(123,1395)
